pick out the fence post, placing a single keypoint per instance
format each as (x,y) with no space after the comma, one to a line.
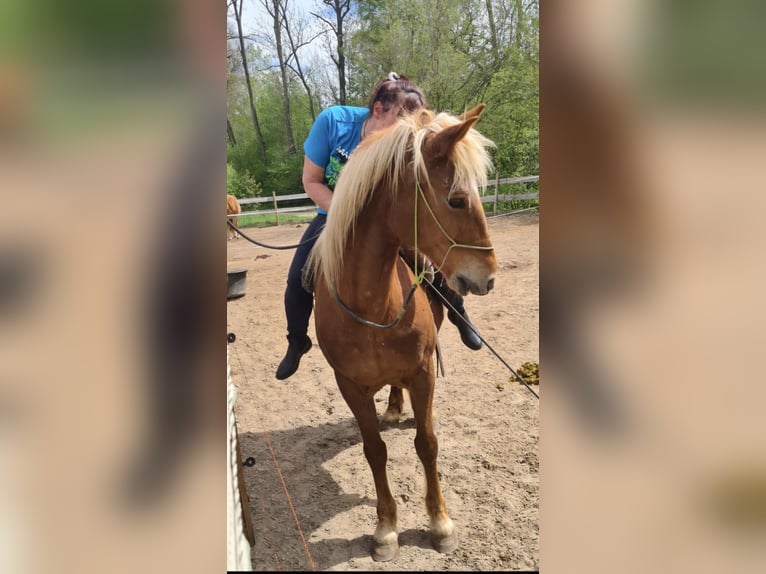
(497,188)
(276,213)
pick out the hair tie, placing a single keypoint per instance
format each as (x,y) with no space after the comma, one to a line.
(393,76)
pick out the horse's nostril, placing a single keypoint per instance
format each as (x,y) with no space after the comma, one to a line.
(490,284)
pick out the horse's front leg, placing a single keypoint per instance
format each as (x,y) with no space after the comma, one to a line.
(362,405)
(443,536)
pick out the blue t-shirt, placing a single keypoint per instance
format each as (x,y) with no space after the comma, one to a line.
(335,134)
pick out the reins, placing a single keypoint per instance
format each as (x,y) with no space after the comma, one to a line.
(259,244)
(399,315)
(483,340)
(419,276)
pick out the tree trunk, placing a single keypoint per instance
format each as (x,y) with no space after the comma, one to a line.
(492,30)
(256,125)
(341,59)
(298,69)
(341,9)
(278,18)
(230,133)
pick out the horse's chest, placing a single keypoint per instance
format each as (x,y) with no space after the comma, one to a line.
(379,357)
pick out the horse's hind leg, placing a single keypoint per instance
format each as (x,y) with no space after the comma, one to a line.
(395,406)
(386,543)
(443,536)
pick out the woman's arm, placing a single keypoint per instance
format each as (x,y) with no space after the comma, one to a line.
(313,183)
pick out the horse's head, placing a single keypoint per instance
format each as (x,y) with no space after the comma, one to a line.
(452,229)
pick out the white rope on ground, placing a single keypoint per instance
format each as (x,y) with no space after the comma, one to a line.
(237,547)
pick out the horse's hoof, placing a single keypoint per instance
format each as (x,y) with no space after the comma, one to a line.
(444,544)
(390,417)
(384,552)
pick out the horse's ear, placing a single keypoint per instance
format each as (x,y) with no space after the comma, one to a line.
(473,112)
(443,142)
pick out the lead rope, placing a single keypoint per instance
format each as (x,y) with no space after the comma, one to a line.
(419,276)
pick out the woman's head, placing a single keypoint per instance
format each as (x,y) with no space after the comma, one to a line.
(396,94)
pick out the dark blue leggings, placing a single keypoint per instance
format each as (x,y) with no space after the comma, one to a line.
(299,303)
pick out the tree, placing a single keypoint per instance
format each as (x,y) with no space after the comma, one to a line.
(276,9)
(294,30)
(230,132)
(237,5)
(340,10)
(461,52)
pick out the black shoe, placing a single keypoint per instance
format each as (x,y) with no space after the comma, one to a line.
(467,330)
(292,359)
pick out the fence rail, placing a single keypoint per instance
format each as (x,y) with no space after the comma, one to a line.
(493,198)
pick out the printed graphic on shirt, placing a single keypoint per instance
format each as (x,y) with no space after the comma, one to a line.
(338,157)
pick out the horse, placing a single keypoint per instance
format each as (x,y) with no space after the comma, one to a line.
(232,208)
(413,187)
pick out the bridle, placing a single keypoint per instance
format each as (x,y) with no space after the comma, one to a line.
(419,276)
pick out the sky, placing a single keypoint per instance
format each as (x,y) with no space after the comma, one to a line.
(256,20)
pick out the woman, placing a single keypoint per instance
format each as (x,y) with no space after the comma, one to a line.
(335,134)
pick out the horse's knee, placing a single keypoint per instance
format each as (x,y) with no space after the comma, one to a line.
(426,444)
(376,455)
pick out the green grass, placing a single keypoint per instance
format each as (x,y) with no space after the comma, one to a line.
(269,220)
(508,206)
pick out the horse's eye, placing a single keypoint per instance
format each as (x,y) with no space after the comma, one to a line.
(456,202)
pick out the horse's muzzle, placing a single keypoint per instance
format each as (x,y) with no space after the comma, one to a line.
(464,285)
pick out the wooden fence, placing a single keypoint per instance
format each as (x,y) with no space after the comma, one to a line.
(488,197)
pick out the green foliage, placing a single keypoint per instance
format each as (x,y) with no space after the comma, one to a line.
(459,51)
(267,220)
(241,184)
(511,119)
(414,39)
(283,177)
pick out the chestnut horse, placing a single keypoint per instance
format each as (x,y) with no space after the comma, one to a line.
(232,208)
(413,186)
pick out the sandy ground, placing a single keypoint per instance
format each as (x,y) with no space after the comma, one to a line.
(311,493)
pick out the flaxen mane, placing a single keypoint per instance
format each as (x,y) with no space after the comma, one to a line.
(380,159)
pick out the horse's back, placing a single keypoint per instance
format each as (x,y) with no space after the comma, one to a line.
(232,209)
(232,205)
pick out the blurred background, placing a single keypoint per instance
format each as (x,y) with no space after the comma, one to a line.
(112,159)
(112,324)
(652,130)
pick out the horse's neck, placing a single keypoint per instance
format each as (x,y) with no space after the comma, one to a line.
(370,261)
